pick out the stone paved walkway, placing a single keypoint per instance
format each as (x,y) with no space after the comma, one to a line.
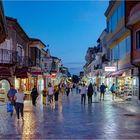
(71,120)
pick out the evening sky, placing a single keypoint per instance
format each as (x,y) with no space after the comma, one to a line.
(69,27)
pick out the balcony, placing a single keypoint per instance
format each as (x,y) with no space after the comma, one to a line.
(24,61)
(36,62)
(97,67)
(105,59)
(8,57)
(99,50)
(134,15)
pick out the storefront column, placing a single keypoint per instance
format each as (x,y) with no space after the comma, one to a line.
(20,83)
(44,81)
(139,81)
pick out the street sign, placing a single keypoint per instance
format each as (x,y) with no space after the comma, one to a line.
(110,68)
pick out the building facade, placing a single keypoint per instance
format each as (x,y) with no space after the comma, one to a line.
(119,41)
(13,57)
(3,30)
(133,24)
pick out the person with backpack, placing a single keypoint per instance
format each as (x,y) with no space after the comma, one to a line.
(113,91)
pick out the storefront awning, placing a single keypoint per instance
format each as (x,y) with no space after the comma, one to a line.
(21,73)
(117,73)
(107,74)
(5,72)
(36,73)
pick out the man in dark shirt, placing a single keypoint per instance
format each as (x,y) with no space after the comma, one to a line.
(102,90)
(11,94)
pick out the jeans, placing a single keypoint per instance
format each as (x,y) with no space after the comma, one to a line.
(19,109)
(83,98)
(89,99)
(34,100)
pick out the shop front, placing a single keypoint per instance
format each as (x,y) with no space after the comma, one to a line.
(135,82)
(40,83)
(23,83)
(37,79)
(124,84)
(23,80)
(5,81)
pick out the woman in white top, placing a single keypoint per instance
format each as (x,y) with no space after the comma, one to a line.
(83,93)
(19,97)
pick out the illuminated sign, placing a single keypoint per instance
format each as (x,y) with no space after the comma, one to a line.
(51,76)
(110,68)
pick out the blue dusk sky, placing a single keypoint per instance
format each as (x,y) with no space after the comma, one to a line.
(69,27)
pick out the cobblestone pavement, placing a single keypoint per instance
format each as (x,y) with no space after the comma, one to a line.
(71,120)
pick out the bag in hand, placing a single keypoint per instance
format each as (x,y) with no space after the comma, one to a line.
(9,107)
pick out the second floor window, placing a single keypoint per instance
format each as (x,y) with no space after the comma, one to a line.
(115,18)
(138,39)
(121,50)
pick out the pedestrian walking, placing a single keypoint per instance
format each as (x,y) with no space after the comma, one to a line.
(67,89)
(95,90)
(34,95)
(62,88)
(83,93)
(19,98)
(102,91)
(44,93)
(113,91)
(50,93)
(11,94)
(80,87)
(56,92)
(90,93)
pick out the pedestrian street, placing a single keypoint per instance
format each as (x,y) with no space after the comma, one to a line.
(69,119)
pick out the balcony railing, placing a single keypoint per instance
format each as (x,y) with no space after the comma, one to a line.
(36,62)
(24,61)
(8,57)
(98,66)
(105,59)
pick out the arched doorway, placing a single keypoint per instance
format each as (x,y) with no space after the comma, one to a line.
(4,87)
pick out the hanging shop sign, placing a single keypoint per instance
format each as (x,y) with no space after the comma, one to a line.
(51,76)
(110,68)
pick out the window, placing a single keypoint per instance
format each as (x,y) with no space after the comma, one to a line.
(119,12)
(122,48)
(115,53)
(107,26)
(114,21)
(115,18)
(138,39)
(128,44)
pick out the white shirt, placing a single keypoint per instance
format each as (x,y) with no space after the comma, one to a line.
(50,91)
(83,90)
(20,97)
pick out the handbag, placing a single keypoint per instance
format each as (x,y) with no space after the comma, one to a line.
(9,107)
